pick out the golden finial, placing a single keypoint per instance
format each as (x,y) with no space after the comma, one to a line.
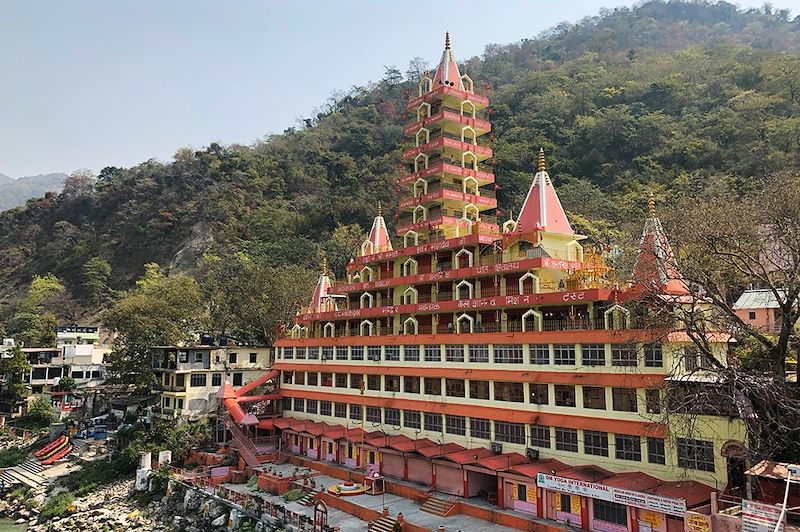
(510,214)
(540,164)
(651,205)
(380,208)
(324,265)
(447,40)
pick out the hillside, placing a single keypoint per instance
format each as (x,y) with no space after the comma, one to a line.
(15,192)
(667,96)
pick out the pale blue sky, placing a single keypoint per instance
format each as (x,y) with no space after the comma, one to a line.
(87,84)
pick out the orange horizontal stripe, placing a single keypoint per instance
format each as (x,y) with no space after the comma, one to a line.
(617,426)
(544,337)
(631,380)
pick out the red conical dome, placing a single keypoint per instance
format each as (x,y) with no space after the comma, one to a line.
(447,73)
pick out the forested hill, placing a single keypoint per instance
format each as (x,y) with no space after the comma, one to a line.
(671,97)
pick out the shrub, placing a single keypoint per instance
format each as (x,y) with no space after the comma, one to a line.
(11,457)
(56,506)
(293,495)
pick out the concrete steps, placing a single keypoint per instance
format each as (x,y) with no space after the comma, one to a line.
(384,524)
(308,498)
(436,506)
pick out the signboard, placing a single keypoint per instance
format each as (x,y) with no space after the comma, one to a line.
(646,501)
(760,517)
(698,522)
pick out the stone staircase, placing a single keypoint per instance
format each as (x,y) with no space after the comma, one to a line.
(28,473)
(384,524)
(308,498)
(438,507)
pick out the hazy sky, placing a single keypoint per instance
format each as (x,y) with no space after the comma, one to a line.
(87,84)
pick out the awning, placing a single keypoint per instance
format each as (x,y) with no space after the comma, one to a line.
(502,462)
(413,445)
(468,456)
(435,451)
(334,432)
(298,425)
(588,473)
(282,422)
(547,466)
(693,492)
(356,435)
(315,429)
(635,480)
(767,469)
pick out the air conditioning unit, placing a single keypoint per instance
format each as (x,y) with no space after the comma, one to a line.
(497,447)
(532,453)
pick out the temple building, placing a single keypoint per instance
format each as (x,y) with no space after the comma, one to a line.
(499,361)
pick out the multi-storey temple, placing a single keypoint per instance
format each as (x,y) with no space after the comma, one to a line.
(494,361)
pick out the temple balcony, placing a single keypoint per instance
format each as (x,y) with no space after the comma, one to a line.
(452,147)
(438,166)
(450,120)
(453,193)
(450,96)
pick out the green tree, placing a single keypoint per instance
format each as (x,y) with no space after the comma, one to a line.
(160,310)
(13,367)
(40,409)
(67,384)
(33,322)
(96,273)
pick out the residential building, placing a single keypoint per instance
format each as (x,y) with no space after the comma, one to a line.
(759,307)
(480,359)
(189,377)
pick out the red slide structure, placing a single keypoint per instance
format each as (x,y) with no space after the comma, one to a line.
(58,455)
(53,445)
(232,399)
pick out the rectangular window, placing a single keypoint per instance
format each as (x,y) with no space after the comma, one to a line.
(286,403)
(479,353)
(299,377)
(253,358)
(355,412)
(564,354)
(653,355)
(411,419)
(311,378)
(751,315)
(539,394)
(341,352)
(301,352)
(593,354)
(433,353)
(480,428)
(624,399)
(327,379)
(455,388)
(311,406)
(433,386)
(454,353)
(509,391)
(508,354)
(391,383)
(374,414)
(198,356)
(690,358)
(287,376)
(455,425)
(540,436)
(299,405)
(628,447)
(79,375)
(197,379)
(522,492)
(655,451)
(374,382)
(565,502)
(288,353)
(216,379)
(325,408)
(433,422)
(313,353)
(611,512)
(567,440)
(391,416)
(340,410)
(356,381)
(374,353)
(540,354)
(357,352)
(565,395)
(341,380)
(595,443)
(594,397)
(183,357)
(392,353)
(179,403)
(479,389)
(623,355)
(327,352)
(695,454)
(509,432)
(653,401)
(411,353)
(411,384)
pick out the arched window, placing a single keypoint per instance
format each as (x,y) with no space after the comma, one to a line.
(367,300)
(329,331)
(423,111)
(425,85)
(463,227)
(464,290)
(471,212)
(470,186)
(465,324)
(464,258)
(410,296)
(366,273)
(617,317)
(411,238)
(425,134)
(468,85)
(409,267)
(366,328)
(467,107)
(532,321)
(420,213)
(468,135)
(410,326)
(356,277)
(367,247)
(295,332)
(421,157)
(420,187)
(574,251)
(529,284)
(509,226)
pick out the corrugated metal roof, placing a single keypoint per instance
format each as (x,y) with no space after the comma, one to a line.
(760,298)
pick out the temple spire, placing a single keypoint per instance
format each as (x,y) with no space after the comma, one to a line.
(324,265)
(542,210)
(447,40)
(541,166)
(651,205)
(656,268)
(378,240)
(447,73)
